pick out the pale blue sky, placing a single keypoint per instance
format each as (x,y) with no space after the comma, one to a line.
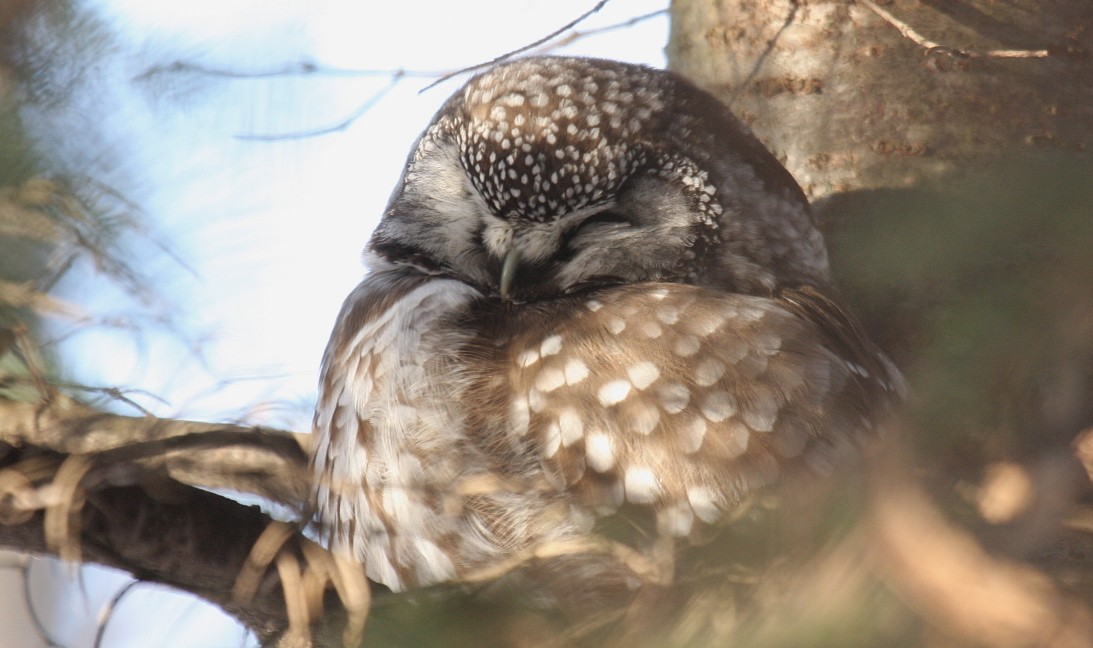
(274,229)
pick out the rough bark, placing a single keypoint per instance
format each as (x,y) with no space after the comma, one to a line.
(848,101)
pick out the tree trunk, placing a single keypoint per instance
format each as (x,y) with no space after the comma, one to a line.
(867,95)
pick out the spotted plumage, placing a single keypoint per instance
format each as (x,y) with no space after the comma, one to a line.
(592,290)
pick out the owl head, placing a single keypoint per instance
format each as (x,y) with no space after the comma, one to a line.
(548,176)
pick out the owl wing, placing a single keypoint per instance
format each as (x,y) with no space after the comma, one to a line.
(387,428)
(685,398)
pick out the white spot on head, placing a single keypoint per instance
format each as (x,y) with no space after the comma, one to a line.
(575,371)
(705,503)
(613,392)
(599,452)
(643,374)
(594,305)
(570,426)
(551,345)
(642,486)
(709,371)
(718,406)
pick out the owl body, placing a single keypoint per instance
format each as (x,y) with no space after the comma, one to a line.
(592,288)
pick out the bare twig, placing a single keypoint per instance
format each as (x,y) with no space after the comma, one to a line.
(28,353)
(28,295)
(932,47)
(108,611)
(577,35)
(530,46)
(334,128)
(118,394)
(396,76)
(761,59)
(32,610)
(298,68)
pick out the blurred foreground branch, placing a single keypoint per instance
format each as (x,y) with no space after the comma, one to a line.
(947,576)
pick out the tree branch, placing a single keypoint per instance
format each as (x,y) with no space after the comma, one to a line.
(257,461)
(127,492)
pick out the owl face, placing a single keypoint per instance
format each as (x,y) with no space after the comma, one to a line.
(547,176)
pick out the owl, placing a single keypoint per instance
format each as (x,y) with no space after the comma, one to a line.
(592,290)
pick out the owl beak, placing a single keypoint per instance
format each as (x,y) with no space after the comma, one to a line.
(508,271)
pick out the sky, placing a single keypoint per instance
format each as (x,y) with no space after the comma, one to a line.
(272,229)
(265,225)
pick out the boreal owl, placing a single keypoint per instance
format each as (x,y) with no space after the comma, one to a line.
(592,288)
